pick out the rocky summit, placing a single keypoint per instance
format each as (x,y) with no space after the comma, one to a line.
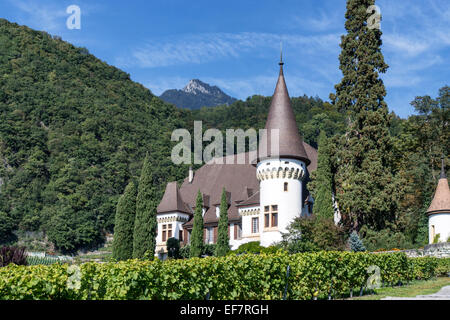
(197,94)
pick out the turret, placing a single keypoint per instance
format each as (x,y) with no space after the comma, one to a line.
(281,166)
(439,210)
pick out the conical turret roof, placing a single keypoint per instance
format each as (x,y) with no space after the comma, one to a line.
(281,117)
(441,199)
(172,200)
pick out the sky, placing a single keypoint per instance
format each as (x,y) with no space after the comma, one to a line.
(235,44)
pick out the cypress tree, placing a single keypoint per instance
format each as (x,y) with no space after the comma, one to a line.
(145,226)
(323,202)
(197,229)
(223,240)
(124,224)
(364,179)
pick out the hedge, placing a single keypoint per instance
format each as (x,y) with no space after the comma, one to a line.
(231,277)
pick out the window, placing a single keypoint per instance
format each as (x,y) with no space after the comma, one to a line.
(166,232)
(180,235)
(169,231)
(209,235)
(239,231)
(285,186)
(270,216)
(255,225)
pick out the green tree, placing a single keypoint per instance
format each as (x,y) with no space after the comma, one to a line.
(223,240)
(124,224)
(323,184)
(355,243)
(312,234)
(196,246)
(173,248)
(145,226)
(364,180)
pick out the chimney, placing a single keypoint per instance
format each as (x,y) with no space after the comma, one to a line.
(191,174)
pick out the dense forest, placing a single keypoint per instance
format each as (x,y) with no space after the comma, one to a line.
(74,132)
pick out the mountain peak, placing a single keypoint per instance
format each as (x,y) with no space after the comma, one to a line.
(195,86)
(197,94)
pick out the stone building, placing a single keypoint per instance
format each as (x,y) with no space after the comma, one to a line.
(264,194)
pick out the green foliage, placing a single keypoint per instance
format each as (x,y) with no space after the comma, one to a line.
(33,260)
(197,229)
(249,247)
(312,234)
(124,224)
(15,255)
(73,133)
(436,238)
(223,240)
(7,226)
(365,188)
(355,243)
(254,247)
(386,239)
(145,224)
(185,252)
(231,277)
(173,248)
(322,187)
(208,249)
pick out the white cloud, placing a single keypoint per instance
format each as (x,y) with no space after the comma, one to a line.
(43,16)
(202,48)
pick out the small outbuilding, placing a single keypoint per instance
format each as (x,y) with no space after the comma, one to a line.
(439,211)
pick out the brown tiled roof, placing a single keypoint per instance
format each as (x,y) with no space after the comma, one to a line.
(441,199)
(253,200)
(172,200)
(212,177)
(281,117)
(238,179)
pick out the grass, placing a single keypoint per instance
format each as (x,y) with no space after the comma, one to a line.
(418,287)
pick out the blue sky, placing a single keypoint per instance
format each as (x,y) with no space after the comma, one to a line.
(235,44)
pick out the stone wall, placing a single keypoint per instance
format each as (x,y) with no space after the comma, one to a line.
(439,250)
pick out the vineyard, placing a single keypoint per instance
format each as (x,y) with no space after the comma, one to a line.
(319,275)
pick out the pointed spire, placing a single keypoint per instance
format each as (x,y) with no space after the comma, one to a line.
(281,54)
(441,199)
(281,119)
(443,175)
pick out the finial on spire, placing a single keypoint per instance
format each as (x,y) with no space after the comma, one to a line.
(281,53)
(443,175)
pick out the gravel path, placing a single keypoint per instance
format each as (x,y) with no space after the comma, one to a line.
(443,294)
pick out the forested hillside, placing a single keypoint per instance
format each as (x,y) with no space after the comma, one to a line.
(73,132)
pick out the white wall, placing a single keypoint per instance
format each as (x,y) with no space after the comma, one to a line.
(272,193)
(441,222)
(176,225)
